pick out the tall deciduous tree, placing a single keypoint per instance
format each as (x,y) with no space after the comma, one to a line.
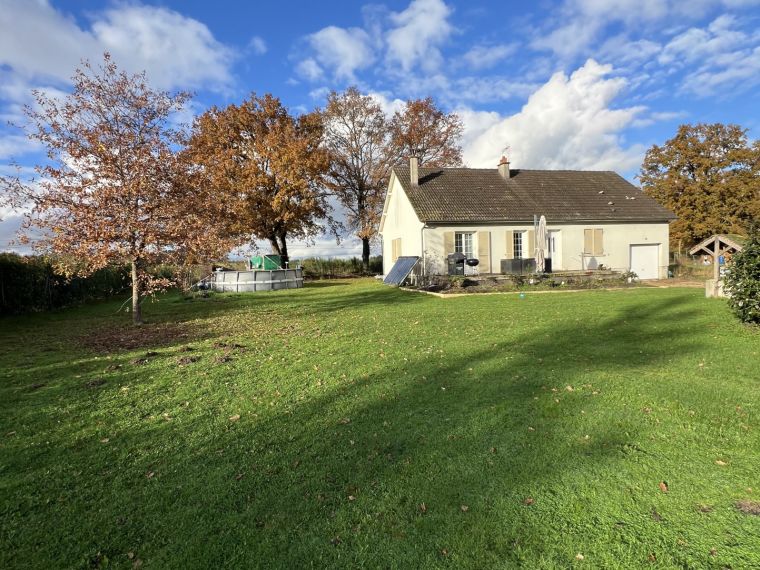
(266,169)
(421,129)
(112,190)
(357,136)
(709,176)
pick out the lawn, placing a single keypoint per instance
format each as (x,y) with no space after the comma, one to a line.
(351,425)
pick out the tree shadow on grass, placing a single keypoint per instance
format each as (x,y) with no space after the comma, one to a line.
(435,460)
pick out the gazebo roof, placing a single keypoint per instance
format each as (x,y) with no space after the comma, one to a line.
(727,242)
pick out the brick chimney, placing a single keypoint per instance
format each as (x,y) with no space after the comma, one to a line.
(504,168)
(414,170)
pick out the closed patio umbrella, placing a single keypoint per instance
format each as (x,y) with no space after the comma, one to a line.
(541,245)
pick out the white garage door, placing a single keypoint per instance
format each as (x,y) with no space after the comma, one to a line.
(645,261)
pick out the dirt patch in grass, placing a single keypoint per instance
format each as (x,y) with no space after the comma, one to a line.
(749,507)
(119,338)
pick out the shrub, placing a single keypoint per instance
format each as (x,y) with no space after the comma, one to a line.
(742,280)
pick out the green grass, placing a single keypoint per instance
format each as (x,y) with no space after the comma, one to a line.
(358,404)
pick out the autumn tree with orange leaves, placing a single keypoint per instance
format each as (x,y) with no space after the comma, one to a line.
(423,130)
(266,170)
(114,189)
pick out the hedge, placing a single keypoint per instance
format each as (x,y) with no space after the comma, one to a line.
(31,283)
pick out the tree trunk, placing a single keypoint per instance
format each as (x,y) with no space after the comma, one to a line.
(365,253)
(136,306)
(280,246)
(283,248)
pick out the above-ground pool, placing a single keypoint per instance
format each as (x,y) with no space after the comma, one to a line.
(257,280)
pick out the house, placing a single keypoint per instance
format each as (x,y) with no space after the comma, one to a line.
(594,219)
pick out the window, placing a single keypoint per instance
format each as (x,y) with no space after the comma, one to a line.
(593,241)
(463,244)
(517,244)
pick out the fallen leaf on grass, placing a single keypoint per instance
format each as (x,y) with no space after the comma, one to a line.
(150,475)
(528,501)
(422,507)
(579,556)
(351,498)
(238,477)
(713,552)
(344,421)
(464,508)
(721,463)
(663,486)
(104,440)
(652,557)
(749,507)
(335,541)
(235,418)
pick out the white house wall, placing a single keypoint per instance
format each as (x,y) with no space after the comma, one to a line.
(616,252)
(401,221)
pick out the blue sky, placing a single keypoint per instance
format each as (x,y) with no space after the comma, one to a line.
(586,84)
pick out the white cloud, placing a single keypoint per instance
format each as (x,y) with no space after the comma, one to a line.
(258,45)
(727,59)
(659,116)
(388,104)
(698,44)
(487,89)
(309,69)
(39,41)
(417,34)
(487,56)
(320,93)
(579,23)
(12,146)
(342,50)
(568,123)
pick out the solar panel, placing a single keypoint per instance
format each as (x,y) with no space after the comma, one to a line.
(401,270)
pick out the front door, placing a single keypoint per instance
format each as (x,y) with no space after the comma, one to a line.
(554,249)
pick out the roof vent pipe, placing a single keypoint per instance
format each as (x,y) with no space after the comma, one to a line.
(504,168)
(414,170)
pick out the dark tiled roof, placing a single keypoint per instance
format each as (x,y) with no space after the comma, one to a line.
(482,195)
